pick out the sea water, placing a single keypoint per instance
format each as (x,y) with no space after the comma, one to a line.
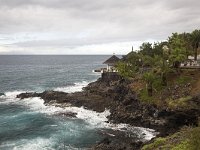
(30,125)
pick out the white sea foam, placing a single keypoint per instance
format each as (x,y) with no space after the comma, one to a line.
(149,133)
(77,87)
(99,120)
(34,144)
(143,133)
(10,97)
(94,119)
(37,104)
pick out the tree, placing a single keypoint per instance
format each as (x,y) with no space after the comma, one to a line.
(157,48)
(158,59)
(149,77)
(146,49)
(161,68)
(186,37)
(195,42)
(134,59)
(178,52)
(126,70)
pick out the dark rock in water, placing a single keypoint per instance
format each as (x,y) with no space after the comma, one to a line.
(120,143)
(125,107)
(47,96)
(67,114)
(2,94)
(105,141)
(53,95)
(28,95)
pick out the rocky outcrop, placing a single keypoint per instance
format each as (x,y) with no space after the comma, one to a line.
(110,144)
(124,106)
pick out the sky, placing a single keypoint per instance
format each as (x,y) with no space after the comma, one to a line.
(91,26)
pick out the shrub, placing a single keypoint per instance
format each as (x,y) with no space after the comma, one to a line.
(145,97)
(195,139)
(182,146)
(183,80)
(179,103)
(158,142)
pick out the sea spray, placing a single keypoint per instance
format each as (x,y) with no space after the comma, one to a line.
(77,87)
(28,124)
(93,118)
(35,127)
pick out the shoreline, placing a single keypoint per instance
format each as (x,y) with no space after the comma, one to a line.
(124,107)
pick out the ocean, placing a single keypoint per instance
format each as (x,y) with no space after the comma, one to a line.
(30,125)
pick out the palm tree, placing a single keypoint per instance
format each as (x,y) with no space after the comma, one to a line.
(187,40)
(149,77)
(178,51)
(195,42)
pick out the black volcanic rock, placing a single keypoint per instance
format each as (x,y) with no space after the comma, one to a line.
(66,114)
(124,106)
(27,95)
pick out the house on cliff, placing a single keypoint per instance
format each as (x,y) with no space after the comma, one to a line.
(191,63)
(111,64)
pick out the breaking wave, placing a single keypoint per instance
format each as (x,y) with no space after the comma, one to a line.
(94,119)
(77,87)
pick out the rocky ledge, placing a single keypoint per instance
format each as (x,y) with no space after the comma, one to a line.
(125,107)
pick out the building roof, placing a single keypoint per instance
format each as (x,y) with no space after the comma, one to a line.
(112,60)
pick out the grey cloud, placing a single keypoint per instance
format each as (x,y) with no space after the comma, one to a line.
(99,21)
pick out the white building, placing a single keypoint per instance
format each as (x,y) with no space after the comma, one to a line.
(191,62)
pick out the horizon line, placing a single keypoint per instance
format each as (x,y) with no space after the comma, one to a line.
(57,54)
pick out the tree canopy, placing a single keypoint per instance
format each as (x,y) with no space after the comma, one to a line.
(156,60)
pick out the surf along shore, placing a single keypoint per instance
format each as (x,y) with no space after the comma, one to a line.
(114,94)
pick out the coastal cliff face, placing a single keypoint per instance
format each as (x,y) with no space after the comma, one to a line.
(125,107)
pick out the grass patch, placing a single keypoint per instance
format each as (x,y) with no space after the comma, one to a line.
(157,85)
(144,97)
(194,141)
(158,142)
(186,139)
(183,80)
(179,103)
(184,145)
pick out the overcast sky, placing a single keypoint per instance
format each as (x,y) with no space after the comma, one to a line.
(91,26)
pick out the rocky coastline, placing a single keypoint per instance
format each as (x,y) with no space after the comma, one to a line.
(113,92)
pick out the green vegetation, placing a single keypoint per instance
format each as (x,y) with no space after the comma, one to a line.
(154,62)
(126,71)
(194,40)
(181,103)
(187,139)
(144,96)
(158,142)
(183,79)
(158,66)
(149,77)
(194,141)
(184,145)
(179,52)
